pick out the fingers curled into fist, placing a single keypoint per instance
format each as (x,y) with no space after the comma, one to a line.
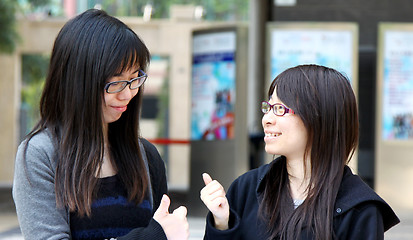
(175,224)
(213,196)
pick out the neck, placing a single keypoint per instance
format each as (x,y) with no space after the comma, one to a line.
(107,169)
(299,177)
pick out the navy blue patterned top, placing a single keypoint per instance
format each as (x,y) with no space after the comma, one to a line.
(112,214)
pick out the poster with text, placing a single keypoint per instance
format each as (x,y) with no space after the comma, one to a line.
(397,107)
(327,45)
(213,85)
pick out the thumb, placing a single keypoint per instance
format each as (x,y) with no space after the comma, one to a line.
(207,178)
(181,212)
(163,208)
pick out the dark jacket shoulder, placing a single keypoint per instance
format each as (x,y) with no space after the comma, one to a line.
(354,193)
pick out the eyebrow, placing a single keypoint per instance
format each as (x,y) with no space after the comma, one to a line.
(119,74)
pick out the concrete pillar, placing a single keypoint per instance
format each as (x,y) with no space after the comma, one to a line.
(256,64)
(9,108)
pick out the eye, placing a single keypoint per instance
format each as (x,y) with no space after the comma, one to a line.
(115,83)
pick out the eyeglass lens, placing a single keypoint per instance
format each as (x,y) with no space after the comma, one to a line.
(135,83)
(278,109)
(265,107)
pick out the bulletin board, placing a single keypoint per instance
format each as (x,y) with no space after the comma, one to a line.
(395,82)
(394,110)
(329,44)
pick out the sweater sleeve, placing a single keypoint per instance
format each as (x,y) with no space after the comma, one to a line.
(33,192)
(211,233)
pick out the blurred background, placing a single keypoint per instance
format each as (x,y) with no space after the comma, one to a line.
(212,62)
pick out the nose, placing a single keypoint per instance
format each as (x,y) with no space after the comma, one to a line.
(126,93)
(268,118)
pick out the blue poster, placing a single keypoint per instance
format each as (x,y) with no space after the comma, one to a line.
(213,86)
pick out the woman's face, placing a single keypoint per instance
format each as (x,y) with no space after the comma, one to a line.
(116,103)
(284,135)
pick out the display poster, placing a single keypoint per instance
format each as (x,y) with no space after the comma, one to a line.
(330,46)
(213,85)
(397,106)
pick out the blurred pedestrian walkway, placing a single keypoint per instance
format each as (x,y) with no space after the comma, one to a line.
(9,228)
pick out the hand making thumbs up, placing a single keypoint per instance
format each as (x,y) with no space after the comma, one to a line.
(213,196)
(175,225)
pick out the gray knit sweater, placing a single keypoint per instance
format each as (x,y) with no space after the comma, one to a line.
(35,200)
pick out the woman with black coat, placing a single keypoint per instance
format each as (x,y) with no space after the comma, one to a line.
(308,192)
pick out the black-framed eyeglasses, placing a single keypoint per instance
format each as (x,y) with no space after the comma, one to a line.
(278,108)
(134,83)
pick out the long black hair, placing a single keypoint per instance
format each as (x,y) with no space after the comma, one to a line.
(88,50)
(324,100)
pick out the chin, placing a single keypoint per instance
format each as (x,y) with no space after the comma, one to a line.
(112,120)
(272,151)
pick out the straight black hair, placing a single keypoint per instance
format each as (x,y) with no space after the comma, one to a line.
(88,50)
(324,100)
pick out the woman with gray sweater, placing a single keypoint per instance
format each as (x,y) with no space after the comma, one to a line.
(83,172)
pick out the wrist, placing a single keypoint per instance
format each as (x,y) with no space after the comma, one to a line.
(221,224)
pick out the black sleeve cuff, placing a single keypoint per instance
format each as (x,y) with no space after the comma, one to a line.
(215,234)
(153,231)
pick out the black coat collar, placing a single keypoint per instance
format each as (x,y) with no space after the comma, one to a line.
(353,191)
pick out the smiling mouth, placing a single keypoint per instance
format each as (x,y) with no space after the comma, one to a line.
(121,109)
(273,134)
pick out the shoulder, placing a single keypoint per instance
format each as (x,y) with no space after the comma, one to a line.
(255,178)
(40,141)
(362,222)
(355,194)
(149,147)
(38,149)
(249,181)
(157,171)
(242,195)
(154,159)
(254,175)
